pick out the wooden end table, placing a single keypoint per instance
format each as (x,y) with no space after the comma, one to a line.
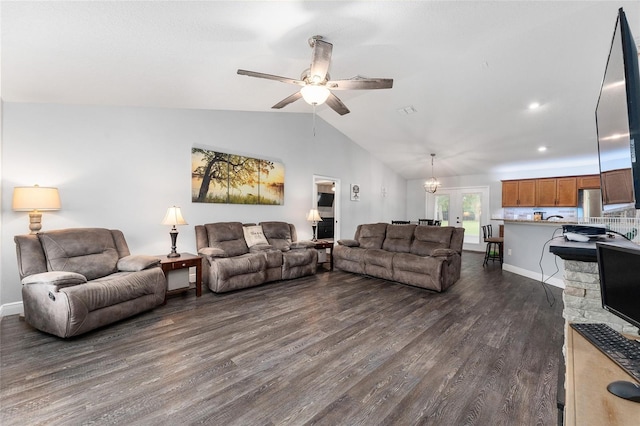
(321,244)
(186,260)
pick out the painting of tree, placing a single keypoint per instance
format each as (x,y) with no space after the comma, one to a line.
(218,177)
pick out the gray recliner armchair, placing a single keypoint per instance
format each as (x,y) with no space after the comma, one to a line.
(75,280)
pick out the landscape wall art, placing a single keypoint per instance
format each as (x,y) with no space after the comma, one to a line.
(218,177)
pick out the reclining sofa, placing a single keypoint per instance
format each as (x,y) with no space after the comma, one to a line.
(418,255)
(75,280)
(239,256)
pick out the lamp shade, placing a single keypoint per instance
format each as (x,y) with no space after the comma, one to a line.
(314,216)
(314,95)
(173,217)
(28,198)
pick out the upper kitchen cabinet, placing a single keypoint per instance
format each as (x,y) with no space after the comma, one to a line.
(589,182)
(617,187)
(557,192)
(519,193)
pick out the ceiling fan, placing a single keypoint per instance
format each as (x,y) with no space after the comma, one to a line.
(316,82)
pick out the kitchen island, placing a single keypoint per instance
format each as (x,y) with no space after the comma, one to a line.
(526,250)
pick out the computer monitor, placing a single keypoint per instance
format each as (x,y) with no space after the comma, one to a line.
(620,294)
(619,268)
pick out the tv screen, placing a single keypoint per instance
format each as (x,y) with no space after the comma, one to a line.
(325,199)
(618,123)
(620,281)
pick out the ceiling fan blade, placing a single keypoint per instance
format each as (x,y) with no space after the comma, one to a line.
(337,105)
(286,101)
(361,84)
(320,61)
(271,77)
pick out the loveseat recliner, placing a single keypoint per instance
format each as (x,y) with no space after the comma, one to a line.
(418,255)
(75,280)
(238,256)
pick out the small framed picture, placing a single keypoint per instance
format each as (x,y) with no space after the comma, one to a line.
(355,192)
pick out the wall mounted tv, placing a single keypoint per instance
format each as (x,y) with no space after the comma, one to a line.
(325,199)
(618,123)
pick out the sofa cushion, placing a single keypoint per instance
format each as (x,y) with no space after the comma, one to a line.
(378,263)
(429,238)
(227,236)
(112,290)
(88,251)
(398,238)
(371,235)
(278,234)
(253,235)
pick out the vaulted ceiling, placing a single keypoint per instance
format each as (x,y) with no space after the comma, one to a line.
(469,69)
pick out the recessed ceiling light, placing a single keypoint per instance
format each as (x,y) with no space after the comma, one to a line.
(534,105)
(542,149)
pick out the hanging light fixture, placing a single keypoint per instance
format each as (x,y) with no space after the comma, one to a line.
(432,184)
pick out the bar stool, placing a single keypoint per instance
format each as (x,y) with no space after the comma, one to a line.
(494,245)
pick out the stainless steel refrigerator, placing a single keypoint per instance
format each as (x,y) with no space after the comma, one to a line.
(589,203)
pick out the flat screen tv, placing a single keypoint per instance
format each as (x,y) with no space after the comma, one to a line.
(618,123)
(325,199)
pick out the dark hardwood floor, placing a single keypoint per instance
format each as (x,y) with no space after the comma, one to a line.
(333,349)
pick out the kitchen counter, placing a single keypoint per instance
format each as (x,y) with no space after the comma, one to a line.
(540,222)
(526,252)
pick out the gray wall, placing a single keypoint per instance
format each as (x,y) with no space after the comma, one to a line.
(122,167)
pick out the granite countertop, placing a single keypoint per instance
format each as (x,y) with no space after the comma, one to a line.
(540,222)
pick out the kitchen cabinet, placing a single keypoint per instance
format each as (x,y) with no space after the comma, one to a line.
(617,187)
(519,193)
(557,192)
(589,182)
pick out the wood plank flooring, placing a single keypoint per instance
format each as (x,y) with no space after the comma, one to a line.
(332,349)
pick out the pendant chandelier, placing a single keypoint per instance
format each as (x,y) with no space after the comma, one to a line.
(432,184)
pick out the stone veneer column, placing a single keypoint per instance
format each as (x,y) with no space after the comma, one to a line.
(581,297)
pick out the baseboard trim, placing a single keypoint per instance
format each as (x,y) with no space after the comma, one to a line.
(556,282)
(14,308)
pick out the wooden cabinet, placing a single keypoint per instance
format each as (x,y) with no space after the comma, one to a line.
(557,192)
(617,187)
(563,191)
(589,182)
(519,193)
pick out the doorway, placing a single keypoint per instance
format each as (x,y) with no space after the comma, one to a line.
(463,208)
(325,196)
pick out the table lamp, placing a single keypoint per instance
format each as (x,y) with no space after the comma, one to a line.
(173,218)
(35,199)
(314,218)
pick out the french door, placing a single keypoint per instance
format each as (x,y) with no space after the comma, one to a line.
(463,208)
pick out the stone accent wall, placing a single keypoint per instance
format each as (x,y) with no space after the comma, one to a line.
(581,297)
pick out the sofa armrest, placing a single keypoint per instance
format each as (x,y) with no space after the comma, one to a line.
(302,245)
(212,252)
(137,262)
(58,279)
(349,243)
(259,248)
(443,252)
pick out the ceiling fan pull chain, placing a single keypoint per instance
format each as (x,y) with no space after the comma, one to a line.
(314,120)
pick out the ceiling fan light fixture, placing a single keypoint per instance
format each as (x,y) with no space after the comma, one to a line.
(314,94)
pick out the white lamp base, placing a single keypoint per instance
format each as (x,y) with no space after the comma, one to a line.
(35,222)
